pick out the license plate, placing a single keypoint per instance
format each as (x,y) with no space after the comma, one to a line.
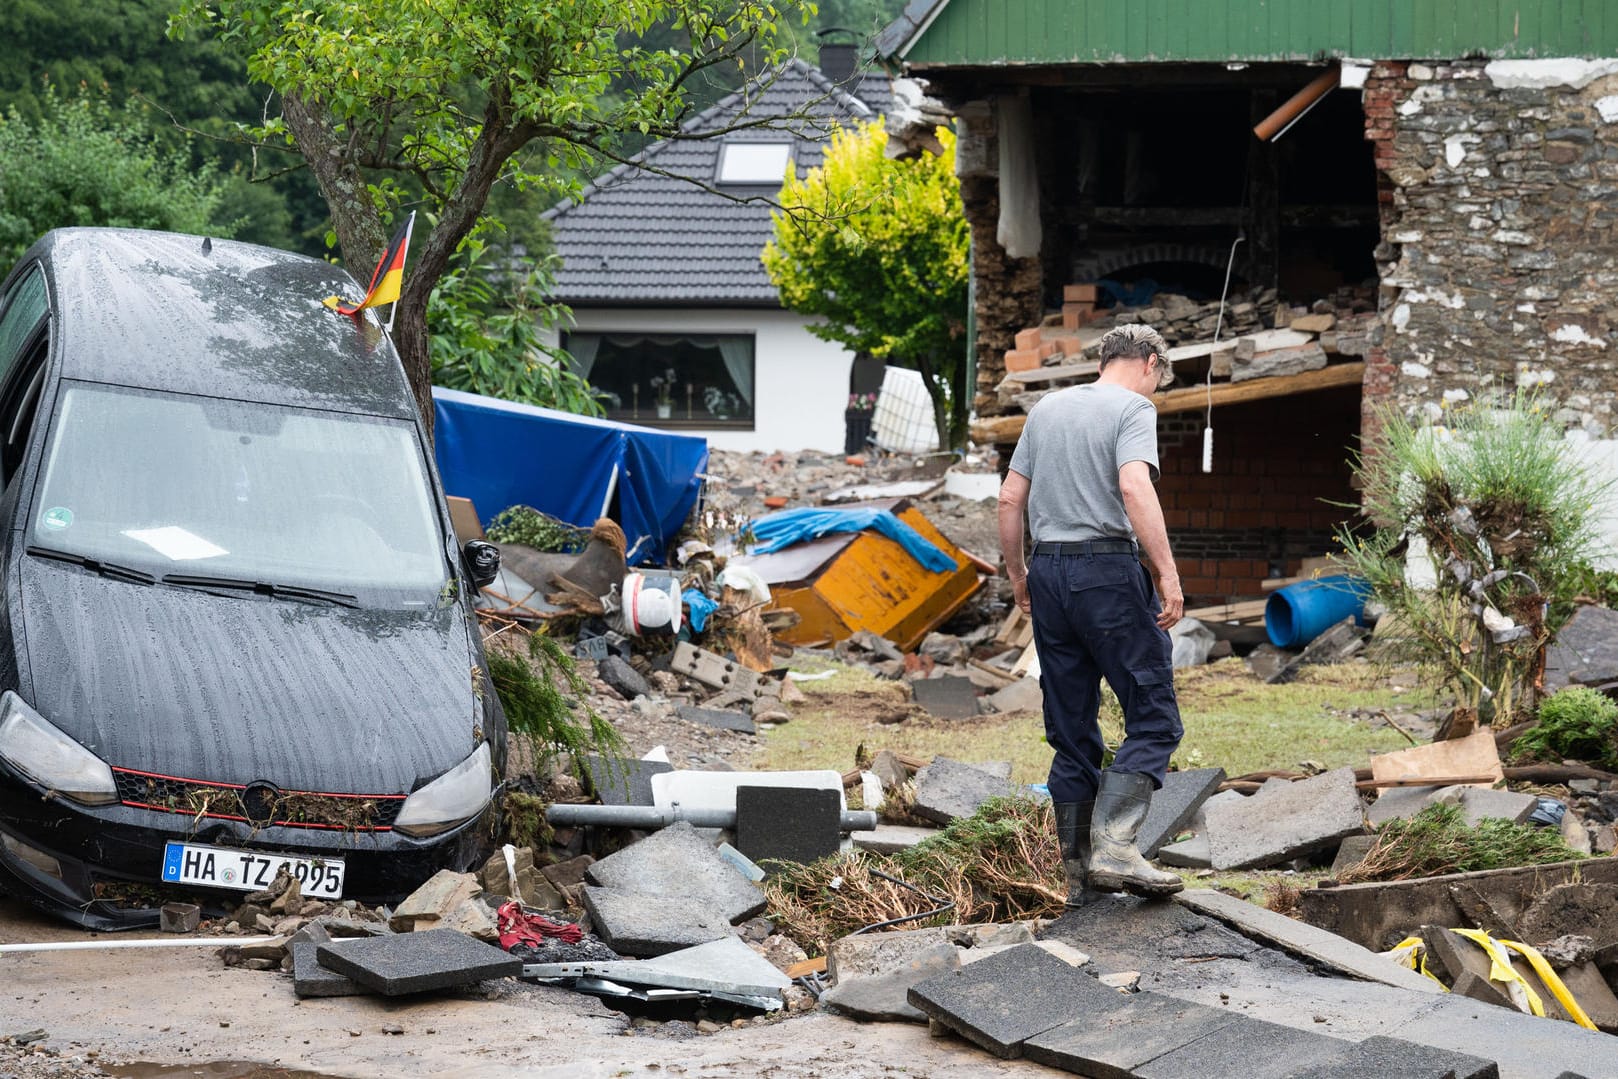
(249,871)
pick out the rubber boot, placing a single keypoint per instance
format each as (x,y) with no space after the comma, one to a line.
(1073,835)
(1116,864)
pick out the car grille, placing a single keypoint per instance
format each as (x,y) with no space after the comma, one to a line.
(223,801)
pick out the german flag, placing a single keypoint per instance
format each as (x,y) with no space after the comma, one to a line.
(386,279)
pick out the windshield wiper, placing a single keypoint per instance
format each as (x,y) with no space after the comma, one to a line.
(264,588)
(95,565)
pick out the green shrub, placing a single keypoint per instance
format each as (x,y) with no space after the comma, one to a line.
(531,528)
(531,690)
(1579,723)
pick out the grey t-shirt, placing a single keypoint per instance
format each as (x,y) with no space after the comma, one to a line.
(1071,449)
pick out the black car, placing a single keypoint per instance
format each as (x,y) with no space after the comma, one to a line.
(237,631)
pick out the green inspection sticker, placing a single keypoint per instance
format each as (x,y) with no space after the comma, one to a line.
(57,518)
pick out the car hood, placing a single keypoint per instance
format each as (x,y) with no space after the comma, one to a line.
(229,689)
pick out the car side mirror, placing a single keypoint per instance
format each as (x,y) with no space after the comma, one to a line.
(482,562)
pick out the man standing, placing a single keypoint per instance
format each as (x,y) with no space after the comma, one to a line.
(1083,471)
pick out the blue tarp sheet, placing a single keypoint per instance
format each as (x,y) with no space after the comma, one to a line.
(778,530)
(501,454)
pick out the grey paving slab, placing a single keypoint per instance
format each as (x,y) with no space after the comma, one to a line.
(1314,944)
(1000,1002)
(642,924)
(1479,804)
(949,697)
(1128,933)
(885,997)
(1112,1044)
(1401,803)
(888,838)
(787,824)
(1525,1046)
(1174,804)
(677,861)
(1285,822)
(1190,853)
(623,783)
(1391,1058)
(867,955)
(310,979)
(722,718)
(1250,1048)
(726,965)
(416,962)
(1199,819)
(951,790)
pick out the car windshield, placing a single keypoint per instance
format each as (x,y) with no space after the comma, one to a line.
(195,487)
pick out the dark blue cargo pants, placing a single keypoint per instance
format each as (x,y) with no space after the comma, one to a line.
(1095,617)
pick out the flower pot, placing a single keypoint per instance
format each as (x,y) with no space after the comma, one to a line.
(856,429)
(664,410)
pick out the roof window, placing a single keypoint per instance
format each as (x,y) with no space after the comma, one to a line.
(753,162)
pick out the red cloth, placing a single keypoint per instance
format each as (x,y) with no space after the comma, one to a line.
(517,926)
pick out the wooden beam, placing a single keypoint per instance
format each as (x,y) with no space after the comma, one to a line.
(999,430)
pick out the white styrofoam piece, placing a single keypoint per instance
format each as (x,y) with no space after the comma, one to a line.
(717,790)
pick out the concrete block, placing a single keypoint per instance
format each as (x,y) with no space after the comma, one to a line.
(623,679)
(310,979)
(1174,804)
(623,782)
(1250,1048)
(1351,852)
(640,923)
(433,901)
(787,824)
(883,997)
(1382,1058)
(1116,1042)
(1273,826)
(1004,1000)
(888,838)
(1199,819)
(1190,853)
(1402,803)
(949,697)
(723,719)
(1593,993)
(1480,804)
(952,790)
(417,962)
(179,918)
(677,862)
(1023,695)
(868,955)
(569,873)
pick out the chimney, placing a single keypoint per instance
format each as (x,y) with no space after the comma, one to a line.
(840,63)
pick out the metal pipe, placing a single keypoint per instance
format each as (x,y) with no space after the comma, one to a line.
(567,814)
(1297,104)
(89,945)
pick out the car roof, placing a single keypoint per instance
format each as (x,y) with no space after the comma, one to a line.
(167,311)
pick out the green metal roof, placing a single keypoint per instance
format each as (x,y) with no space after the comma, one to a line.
(994,32)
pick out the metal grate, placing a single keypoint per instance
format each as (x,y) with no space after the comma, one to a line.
(222,801)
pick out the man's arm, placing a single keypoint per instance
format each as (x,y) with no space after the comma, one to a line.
(1146,518)
(1012,503)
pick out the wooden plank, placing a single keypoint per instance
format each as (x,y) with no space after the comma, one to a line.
(1230,612)
(999,430)
(1014,624)
(1041,376)
(816,965)
(1200,349)
(1428,781)
(1028,656)
(1473,755)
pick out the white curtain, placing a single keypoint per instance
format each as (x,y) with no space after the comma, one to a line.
(737,353)
(735,349)
(583,348)
(1018,229)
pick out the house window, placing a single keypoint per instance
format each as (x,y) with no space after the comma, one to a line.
(700,379)
(753,162)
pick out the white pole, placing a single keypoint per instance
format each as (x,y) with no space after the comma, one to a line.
(90,945)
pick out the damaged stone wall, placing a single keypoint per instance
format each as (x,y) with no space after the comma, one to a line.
(1499,260)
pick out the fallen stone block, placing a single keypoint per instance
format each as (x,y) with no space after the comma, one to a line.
(179,918)
(721,718)
(889,769)
(1402,803)
(1174,804)
(416,962)
(1593,993)
(1276,825)
(475,919)
(1250,1048)
(888,838)
(569,873)
(676,861)
(310,979)
(787,824)
(1190,853)
(623,679)
(623,782)
(1115,1042)
(1478,805)
(869,955)
(1352,852)
(883,997)
(1280,361)
(1384,1058)
(642,924)
(1023,695)
(424,907)
(948,697)
(951,790)
(1004,1000)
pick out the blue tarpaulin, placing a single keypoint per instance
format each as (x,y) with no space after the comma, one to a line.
(500,454)
(778,530)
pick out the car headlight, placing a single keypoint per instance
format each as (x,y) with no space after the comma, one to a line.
(457,795)
(50,758)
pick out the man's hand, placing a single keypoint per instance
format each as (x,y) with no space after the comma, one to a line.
(1168,590)
(1019,592)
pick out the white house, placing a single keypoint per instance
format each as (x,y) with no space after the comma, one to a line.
(674,316)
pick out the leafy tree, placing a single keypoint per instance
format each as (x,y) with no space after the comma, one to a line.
(85,163)
(395,100)
(879,250)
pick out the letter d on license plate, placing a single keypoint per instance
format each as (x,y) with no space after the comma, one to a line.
(249,871)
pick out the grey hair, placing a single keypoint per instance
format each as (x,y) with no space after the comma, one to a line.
(1136,341)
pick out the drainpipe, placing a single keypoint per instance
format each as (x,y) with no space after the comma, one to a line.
(1276,123)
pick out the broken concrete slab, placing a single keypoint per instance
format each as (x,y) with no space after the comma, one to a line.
(1384,1058)
(720,718)
(787,824)
(1275,825)
(1190,853)
(1113,1043)
(310,979)
(1199,819)
(623,679)
(883,997)
(1174,804)
(1023,695)
(951,790)
(1450,956)
(869,955)
(1478,805)
(1593,993)
(1585,651)
(1351,852)
(417,962)
(1004,1000)
(1250,1048)
(889,838)
(1314,944)
(726,967)
(676,861)
(433,901)
(1402,803)
(890,769)
(1522,1045)
(1280,361)
(643,924)
(568,874)
(948,697)
(623,782)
